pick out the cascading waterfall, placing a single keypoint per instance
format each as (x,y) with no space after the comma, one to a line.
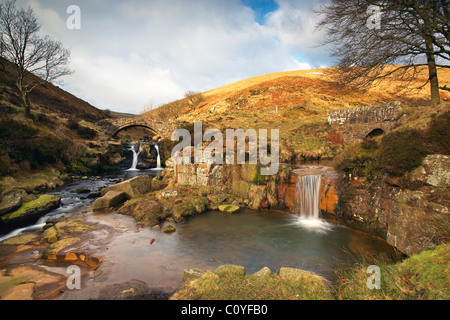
(308,191)
(135,156)
(308,203)
(158,159)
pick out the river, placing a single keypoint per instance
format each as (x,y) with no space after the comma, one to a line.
(252,239)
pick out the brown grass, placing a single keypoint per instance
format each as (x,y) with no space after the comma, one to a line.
(297,103)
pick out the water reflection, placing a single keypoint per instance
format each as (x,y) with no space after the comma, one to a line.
(251,239)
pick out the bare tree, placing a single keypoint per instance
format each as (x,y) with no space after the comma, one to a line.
(29,53)
(412,35)
(194,98)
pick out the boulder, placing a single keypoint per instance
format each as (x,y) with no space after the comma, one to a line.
(229,208)
(192,274)
(169,229)
(169,193)
(262,272)
(239,270)
(11,201)
(132,188)
(110,199)
(50,235)
(299,273)
(59,248)
(30,212)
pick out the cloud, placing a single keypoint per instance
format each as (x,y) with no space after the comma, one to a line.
(129,52)
(295,24)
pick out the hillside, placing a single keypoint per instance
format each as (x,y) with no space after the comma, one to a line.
(295,102)
(60,137)
(50,99)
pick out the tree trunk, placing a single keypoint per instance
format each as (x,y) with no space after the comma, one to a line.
(26,101)
(432,74)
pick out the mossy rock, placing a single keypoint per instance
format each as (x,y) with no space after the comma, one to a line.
(229,208)
(30,212)
(192,274)
(189,207)
(50,235)
(73,225)
(229,282)
(20,240)
(169,229)
(235,269)
(53,250)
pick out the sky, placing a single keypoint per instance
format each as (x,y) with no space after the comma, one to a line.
(132,53)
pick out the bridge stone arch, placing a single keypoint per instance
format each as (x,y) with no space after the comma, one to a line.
(358,123)
(114,126)
(142,125)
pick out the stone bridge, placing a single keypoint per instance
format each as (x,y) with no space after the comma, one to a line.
(358,123)
(158,128)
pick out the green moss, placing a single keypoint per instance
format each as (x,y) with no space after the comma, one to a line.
(228,208)
(257,178)
(74,225)
(56,247)
(233,284)
(41,204)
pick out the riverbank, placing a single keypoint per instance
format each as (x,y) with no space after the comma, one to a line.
(119,260)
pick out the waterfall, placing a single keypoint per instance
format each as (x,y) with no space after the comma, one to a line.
(158,159)
(308,204)
(308,191)
(135,156)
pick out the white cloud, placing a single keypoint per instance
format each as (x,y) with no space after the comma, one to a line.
(129,52)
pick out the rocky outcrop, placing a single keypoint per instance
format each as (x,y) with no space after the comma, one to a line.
(434,171)
(329,195)
(415,223)
(29,212)
(261,192)
(411,220)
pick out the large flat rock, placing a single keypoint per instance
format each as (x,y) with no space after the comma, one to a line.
(132,188)
(110,199)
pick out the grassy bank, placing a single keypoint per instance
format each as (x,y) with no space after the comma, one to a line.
(424,276)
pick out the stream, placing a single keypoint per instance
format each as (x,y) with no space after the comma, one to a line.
(249,238)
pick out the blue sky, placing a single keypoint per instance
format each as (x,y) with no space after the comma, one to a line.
(130,53)
(261,8)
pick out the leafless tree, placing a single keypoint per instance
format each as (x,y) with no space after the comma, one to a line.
(30,54)
(412,35)
(194,98)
